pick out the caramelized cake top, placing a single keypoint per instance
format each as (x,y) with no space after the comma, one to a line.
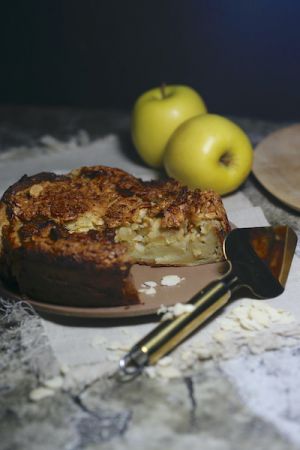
(78,214)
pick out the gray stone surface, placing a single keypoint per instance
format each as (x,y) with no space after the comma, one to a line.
(205,410)
(150,414)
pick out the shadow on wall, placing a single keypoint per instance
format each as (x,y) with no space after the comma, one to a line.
(241,56)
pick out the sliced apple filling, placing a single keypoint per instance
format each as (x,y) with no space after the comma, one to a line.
(150,243)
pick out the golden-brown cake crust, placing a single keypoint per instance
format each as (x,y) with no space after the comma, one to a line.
(58,232)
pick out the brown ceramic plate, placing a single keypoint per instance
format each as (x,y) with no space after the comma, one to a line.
(195,278)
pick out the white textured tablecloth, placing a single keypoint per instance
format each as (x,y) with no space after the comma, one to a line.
(90,351)
(101,345)
(81,345)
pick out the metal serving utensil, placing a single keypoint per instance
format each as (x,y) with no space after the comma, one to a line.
(259,260)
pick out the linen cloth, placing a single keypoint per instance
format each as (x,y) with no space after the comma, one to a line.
(102,344)
(99,344)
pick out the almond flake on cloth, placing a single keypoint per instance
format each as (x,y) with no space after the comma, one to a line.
(256,315)
(40,393)
(163,372)
(252,326)
(54,383)
(170,312)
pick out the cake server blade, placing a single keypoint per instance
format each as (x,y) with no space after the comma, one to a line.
(259,260)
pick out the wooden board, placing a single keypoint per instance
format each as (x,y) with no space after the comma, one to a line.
(195,278)
(277,165)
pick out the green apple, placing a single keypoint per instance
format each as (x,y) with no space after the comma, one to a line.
(156,114)
(209,152)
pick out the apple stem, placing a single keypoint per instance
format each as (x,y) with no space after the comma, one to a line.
(163,90)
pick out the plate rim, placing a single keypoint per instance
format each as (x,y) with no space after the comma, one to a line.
(99,312)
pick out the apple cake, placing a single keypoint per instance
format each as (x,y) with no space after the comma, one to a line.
(72,239)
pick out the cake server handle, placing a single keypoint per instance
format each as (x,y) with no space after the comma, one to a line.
(168,334)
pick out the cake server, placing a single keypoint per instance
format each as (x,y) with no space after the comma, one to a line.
(259,260)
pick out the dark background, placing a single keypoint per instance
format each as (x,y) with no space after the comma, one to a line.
(241,55)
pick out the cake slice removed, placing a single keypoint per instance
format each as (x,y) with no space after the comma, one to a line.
(72,239)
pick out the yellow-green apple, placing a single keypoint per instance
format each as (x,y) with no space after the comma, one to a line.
(157,113)
(209,152)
